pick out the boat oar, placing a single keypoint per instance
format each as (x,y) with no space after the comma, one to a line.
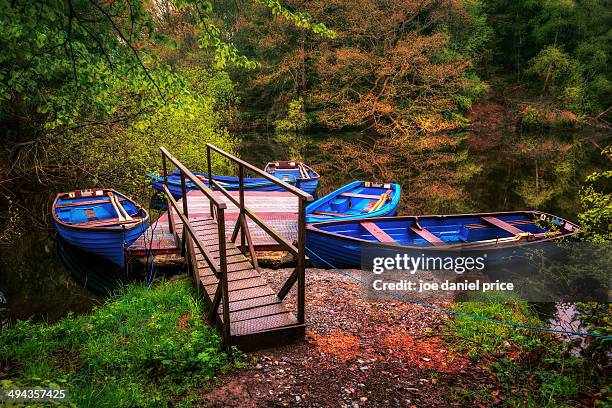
(383,199)
(112,200)
(125,214)
(303,171)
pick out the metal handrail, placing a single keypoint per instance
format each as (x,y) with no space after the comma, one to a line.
(220,270)
(184,170)
(298,251)
(303,195)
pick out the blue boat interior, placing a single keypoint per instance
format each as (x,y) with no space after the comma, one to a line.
(353,201)
(287,175)
(88,209)
(291,173)
(431,231)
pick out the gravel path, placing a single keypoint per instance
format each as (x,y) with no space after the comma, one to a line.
(356,353)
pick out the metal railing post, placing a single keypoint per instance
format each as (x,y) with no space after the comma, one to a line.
(185,211)
(223,270)
(210,183)
(242,213)
(301,260)
(170,219)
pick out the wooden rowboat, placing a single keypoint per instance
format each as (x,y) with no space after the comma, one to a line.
(338,244)
(99,221)
(355,201)
(306,179)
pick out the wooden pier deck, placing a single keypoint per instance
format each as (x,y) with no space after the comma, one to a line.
(278,209)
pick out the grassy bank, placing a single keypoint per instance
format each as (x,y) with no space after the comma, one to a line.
(144,347)
(527,367)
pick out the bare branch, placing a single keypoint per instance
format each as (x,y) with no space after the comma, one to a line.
(81,23)
(122,36)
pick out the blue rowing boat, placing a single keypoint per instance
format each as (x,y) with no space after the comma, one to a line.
(306,179)
(230,183)
(99,221)
(339,244)
(355,201)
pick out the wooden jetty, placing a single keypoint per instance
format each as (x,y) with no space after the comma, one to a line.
(215,231)
(278,209)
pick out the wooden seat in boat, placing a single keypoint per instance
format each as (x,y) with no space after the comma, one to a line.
(503,225)
(357,195)
(332,214)
(427,236)
(376,232)
(103,200)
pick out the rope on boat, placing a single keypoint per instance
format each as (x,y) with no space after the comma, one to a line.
(460,314)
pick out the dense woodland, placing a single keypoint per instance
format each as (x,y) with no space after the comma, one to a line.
(89,90)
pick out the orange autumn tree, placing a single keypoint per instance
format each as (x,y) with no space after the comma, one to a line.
(397,67)
(400,69)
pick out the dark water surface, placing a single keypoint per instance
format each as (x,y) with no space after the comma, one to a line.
(34,284)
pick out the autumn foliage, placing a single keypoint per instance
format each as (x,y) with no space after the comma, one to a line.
(397,67)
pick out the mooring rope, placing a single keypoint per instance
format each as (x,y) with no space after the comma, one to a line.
(149,247)
(461,314)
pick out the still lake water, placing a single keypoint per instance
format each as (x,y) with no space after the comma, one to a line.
(34,283)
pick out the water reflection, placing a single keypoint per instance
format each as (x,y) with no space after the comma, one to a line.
(35,283)
(95,273)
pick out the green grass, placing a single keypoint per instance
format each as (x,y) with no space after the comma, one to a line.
(144,347)
(535,369)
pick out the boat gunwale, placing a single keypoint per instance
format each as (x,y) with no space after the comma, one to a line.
(313,228)
(316,177)
(110,228)
(379,213)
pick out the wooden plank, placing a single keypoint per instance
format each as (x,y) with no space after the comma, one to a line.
(243,294)
(106,223)
(503,225)
(245,304)
(210,279)
(240,266)
(263,323)
(251,293)
(259,311)
(242,284)
(427,236)
(206,228)
(89,202)
(276,337)
(215,252)
(378,233)
(357,195)
(514,223)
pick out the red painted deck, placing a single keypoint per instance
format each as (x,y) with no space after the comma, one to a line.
(278,209)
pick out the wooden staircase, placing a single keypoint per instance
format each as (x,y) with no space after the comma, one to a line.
(251,315)
(258,318)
